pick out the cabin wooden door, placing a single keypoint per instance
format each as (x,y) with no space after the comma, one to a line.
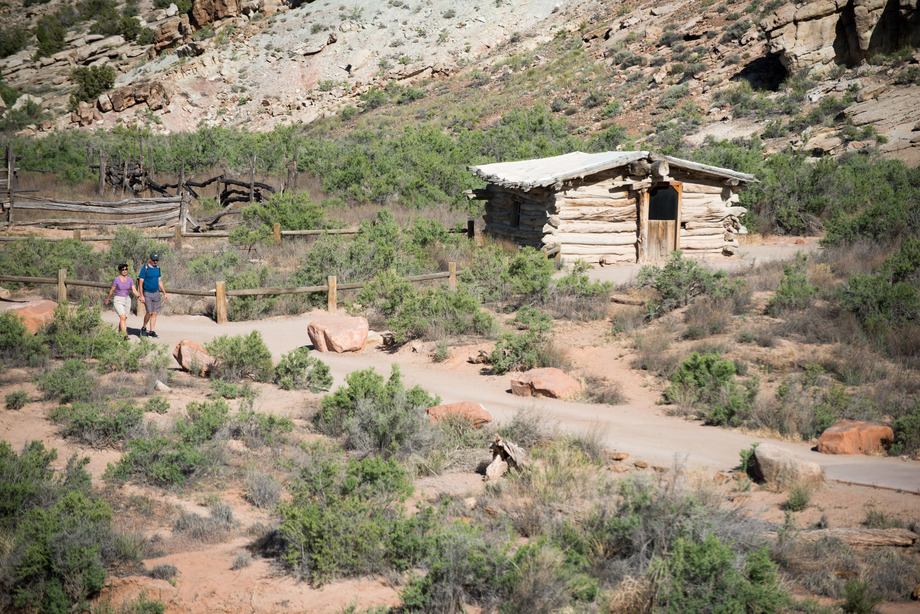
(663,221)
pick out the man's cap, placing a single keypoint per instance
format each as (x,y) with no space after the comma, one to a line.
(154,256)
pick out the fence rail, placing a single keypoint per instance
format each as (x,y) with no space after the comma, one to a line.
(221,293)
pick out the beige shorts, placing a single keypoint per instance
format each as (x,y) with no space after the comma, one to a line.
(122,305)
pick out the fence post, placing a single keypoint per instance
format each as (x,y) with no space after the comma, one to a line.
(452,280)
(10,172)
(102,172)
(332,300)
(470,229)
(276,233)
(220,309)
(62,286)
(76,235)
(178,238)
(183,210)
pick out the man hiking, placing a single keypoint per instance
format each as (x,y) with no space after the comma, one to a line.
(150,278)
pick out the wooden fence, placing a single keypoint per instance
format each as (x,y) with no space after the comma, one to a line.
(221,294)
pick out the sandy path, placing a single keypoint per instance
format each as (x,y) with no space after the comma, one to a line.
(638,427)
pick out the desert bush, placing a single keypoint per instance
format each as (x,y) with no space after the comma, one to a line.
(99,426)
(17,345)
(80,333)
(242,356)
(707,382)
(262,490)
(680,280)
(207,529)
(160,461)
(891,574)
(258,429)
(651,353)
(293,210)
(13,39)
(521,351)
(90,81)
(17,400)
(410,313)
(707,317)
(163,571)
(859,598)
(697,573)
(157,404)
(799,497)
(33,257)
(241,560)
(529,427)
(347,518)
(297,369)
(203,421)
(132,246)
(575,296)
(794,291)
(72,381)
(368,386)
(62,537)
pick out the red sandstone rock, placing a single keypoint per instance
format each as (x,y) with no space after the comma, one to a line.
(474,413)
(778,466)
(338,334)
(548,381)
(35,314)
(855,437)
(193,358)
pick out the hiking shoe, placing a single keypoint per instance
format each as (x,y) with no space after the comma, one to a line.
(143,332)
(152,334)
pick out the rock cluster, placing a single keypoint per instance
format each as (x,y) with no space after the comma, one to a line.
(815,35)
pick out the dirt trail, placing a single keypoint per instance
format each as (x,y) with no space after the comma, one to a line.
(638,427)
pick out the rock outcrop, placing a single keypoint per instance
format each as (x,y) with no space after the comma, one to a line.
(855,437)
(208,11)
(548,381)
(171,31)
(779,467)
(338,334)
(815,35)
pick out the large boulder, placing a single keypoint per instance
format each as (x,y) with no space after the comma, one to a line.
(474,413)
(171,31)
(193,358)
(547,381)
(855,437)
(209,11)
(338,333)
(35,314)
(814,35)
(780,467)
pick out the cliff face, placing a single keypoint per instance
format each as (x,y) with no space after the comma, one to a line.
(815,35)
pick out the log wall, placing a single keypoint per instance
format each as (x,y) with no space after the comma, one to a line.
(597,218)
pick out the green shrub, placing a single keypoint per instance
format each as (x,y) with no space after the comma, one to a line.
(257,429)
(367,389)
(748,460)
(90,81)
(203,421)
(347,519)
(889,299)
(297,369)
(132,246)
(79,332)
(799,497)
(12,40)
(242,356)
(61,538)
(33,257)
(526,350)
(577,297)
(293,210)
(907,431)
(17,400)
(160,461)
(698,574)
(51,32)
(707,382)
(97,426)
(681,280)
(69,382)
(157,404)
(794,291)
(262,490)
(859,599)
(17,345)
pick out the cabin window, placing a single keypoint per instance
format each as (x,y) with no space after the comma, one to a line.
(662,204)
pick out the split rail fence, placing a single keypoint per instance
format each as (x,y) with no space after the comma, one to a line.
(221,294)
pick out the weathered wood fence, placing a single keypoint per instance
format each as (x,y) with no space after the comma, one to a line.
(221,294)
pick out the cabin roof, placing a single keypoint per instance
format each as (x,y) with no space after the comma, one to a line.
(544,172)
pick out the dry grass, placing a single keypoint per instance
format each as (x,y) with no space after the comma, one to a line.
(627,318)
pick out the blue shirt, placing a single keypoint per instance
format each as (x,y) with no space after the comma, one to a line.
(151,276)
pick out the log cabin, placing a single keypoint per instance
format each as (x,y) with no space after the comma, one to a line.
(614,207)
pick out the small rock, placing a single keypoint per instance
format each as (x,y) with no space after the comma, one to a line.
(474,413)
(617,456)
(193,358)
(640,464)
(777,466)
(161,387)
(338,333)
(547,381)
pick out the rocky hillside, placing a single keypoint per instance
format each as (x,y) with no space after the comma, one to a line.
(826,76)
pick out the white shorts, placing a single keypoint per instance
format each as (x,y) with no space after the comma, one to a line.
(122,305)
